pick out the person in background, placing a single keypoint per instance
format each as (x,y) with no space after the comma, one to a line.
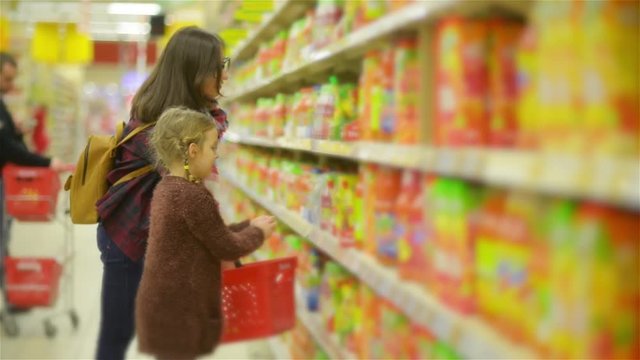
(39,137)
(13,150)
(179,303)
(190,73)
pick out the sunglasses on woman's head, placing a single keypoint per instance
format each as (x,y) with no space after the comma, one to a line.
(226,63)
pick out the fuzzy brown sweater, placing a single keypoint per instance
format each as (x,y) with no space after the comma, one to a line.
(178,306)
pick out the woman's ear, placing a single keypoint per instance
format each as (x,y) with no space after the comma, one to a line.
(193,150)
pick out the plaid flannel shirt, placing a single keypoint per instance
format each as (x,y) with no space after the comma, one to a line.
(124,210)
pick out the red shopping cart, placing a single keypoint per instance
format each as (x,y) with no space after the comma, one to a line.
(31,194)
(258,299)
(32,282)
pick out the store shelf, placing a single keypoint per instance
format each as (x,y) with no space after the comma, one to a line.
(286,12)
(357,42)
(352,43)
(604,179)
(313,323)
(468,335)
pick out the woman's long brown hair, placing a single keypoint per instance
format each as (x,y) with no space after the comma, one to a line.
(191,55)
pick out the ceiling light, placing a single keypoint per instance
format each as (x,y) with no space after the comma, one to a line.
(134,9)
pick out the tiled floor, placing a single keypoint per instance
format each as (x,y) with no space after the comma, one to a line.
(48,239)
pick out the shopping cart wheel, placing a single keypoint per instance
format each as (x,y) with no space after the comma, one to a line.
(75,320)
(49,329)
(9,325)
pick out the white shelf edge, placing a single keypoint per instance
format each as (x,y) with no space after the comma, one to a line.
(609,180)
(474,338)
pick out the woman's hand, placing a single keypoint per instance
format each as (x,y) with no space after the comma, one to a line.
(265,223)
(58,166)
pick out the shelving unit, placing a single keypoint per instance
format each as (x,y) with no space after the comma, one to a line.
(285,12)
(354,44)
(601,178)
(314,324)
(469,335)
(605,179)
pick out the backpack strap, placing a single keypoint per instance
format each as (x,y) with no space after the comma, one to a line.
(134,174)
(133,132)
(119,130)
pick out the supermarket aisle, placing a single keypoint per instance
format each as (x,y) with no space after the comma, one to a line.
(47,239)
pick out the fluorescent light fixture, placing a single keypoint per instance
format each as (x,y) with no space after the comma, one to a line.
(120,28)
(133,28)
(134,9)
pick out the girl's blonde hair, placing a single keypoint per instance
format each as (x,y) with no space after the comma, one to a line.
(176,129)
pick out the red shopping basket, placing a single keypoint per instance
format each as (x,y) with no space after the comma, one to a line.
(32,282)
(31,193)
(258,299)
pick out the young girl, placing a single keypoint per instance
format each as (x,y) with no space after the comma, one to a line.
(190,72)
(178,307)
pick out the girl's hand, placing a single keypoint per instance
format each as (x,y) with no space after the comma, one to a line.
(265,223)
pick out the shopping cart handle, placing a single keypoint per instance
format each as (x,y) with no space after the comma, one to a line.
(29,266)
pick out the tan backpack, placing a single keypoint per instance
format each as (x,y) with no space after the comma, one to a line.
(88,184)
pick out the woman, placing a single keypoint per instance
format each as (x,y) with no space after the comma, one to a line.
(189,73)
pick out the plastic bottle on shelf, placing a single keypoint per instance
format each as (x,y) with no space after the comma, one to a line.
(350,130)
(289,119)
(369,344)
(395,330)
(599,256)
(327,16)
(453,210)
(278,115)
(409,190)
(304,112)
(387,189)
(325,107)
(504,38)
(383,119)
(414,233)
(313,281)
(406,85)
(345,227)
(326,203)
(461,78)
(345,111)
(369,105)
(527,112)
(374,9)
(420,343)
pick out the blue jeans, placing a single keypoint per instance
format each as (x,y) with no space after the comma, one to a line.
(120,280)
(5,226)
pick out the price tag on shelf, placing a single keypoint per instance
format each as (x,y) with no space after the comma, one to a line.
(355,261)
(602,176)
(510,168)
(563,175)
(334,148)
(471,163)
(441,326)
(385,288)
(447,161)
(626,182)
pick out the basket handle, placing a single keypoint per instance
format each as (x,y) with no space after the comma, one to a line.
(29,266)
